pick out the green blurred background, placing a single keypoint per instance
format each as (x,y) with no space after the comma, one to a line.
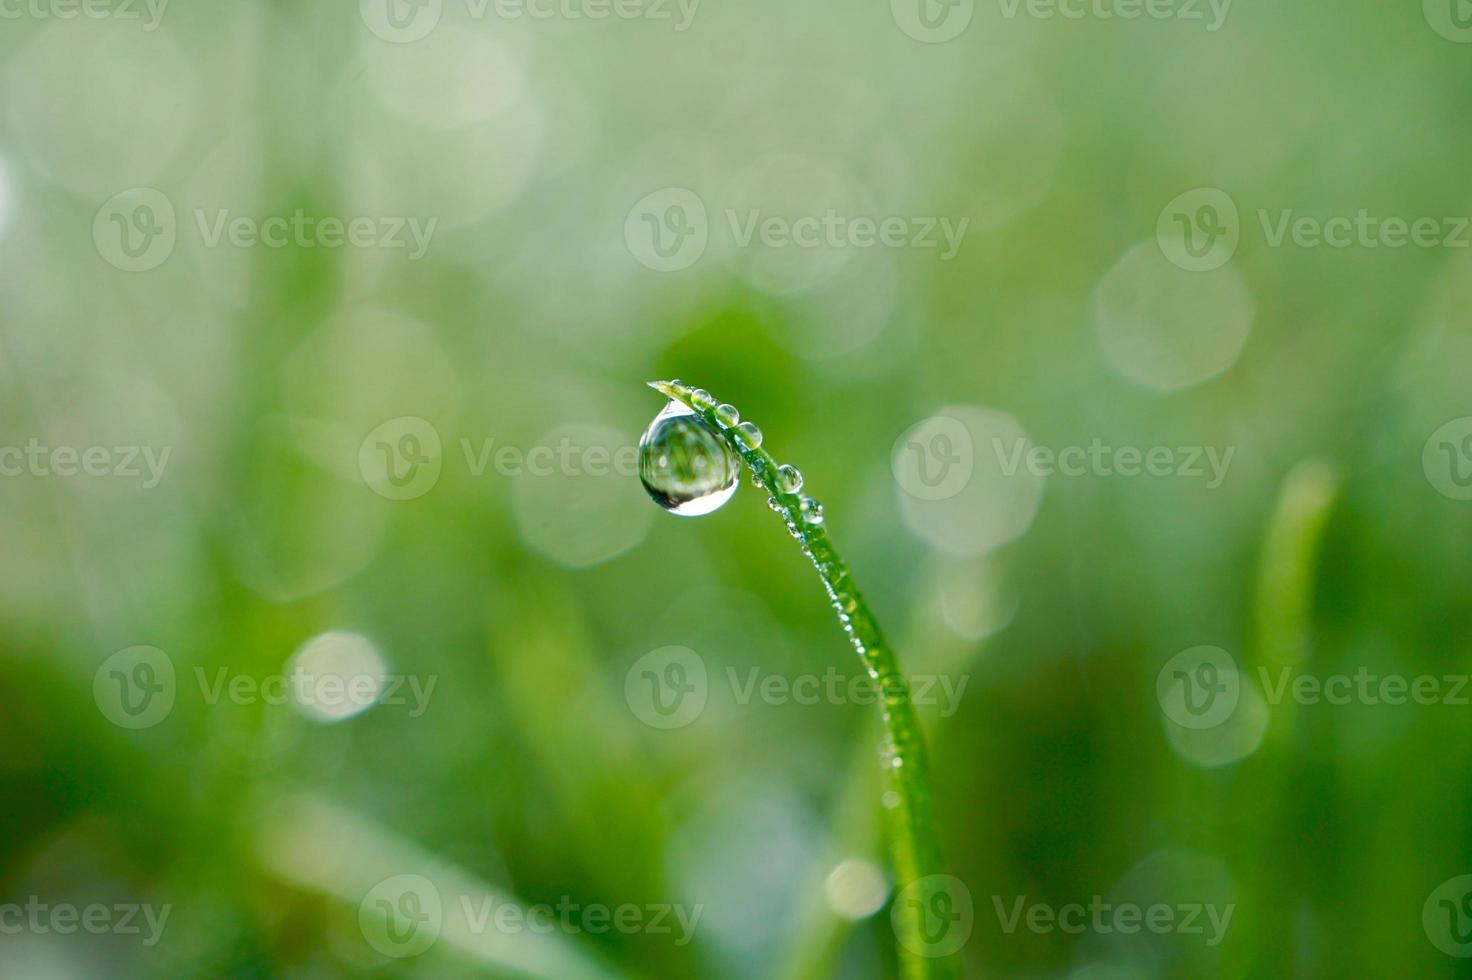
(1133,272)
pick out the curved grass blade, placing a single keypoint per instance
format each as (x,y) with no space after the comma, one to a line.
(914,843)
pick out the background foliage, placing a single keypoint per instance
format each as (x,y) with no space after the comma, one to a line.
(531,320)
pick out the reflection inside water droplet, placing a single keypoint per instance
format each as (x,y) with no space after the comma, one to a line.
(684,464)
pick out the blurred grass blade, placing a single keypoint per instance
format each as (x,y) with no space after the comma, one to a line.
(313,844)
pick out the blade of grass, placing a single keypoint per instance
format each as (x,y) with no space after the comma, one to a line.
(910,815)
(314,845)
(1282,612)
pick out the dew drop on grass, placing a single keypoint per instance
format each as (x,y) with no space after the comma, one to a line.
(702,399)
(750,435)
(812,511)
(684,464)
(728,415)
(789,478)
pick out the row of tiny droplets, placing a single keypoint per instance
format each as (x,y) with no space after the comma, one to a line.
(789,483)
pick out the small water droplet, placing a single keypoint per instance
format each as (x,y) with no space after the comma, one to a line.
(789,478)
(812,511)
(727,415)
(772,503)
(685,464)
(750,435)
(702,399)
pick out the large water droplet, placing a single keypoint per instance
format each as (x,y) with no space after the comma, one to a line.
(684,464)
(789,478)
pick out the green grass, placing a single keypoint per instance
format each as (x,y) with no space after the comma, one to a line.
(910,815)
